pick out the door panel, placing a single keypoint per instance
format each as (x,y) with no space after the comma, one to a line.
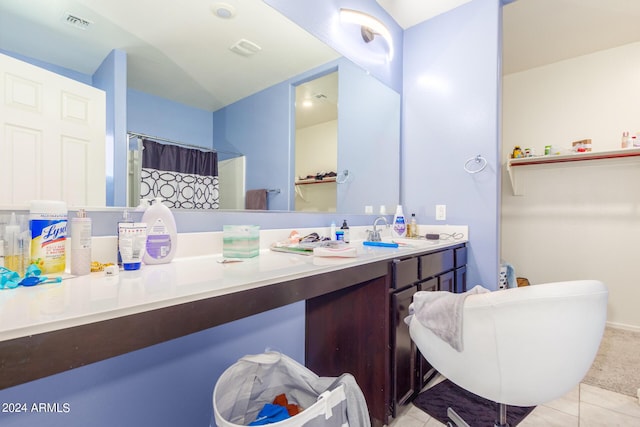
(53,130)
(404,354)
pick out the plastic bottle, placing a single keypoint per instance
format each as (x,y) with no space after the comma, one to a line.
(399,224)
(13,257)
(625,140)
(48,224)
(125,218)
(412,227)
(345,230)
(162,234)
(332,236)
(80,244)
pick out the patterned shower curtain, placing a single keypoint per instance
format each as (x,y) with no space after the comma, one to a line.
(184,177)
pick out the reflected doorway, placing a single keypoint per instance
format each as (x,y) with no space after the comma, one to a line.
(316,144)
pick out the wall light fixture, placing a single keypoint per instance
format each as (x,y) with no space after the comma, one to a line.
(370,27)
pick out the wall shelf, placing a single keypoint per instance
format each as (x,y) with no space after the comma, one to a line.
(315,181)
(513,165)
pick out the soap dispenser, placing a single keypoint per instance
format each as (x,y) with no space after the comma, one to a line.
(345,230)
(162,235)
(399,228)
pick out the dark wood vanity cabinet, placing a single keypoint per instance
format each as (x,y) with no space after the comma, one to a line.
(435,271)
(361,329)
(405,275)
(347,331)
(460,273)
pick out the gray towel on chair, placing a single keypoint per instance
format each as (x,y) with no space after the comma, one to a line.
(256,199)
(441,312)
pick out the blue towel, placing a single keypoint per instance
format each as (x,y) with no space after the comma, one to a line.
(270,414)
(511,276)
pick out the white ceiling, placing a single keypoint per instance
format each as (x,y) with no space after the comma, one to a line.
(180,49)
(408,13)
(176,49)
(540,32)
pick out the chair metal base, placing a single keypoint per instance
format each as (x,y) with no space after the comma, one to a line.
(457,421)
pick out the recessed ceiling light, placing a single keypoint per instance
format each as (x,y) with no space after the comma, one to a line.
(223,10)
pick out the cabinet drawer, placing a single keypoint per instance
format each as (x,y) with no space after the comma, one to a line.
(436,263)
(405,272)
(461,257)
(428,285)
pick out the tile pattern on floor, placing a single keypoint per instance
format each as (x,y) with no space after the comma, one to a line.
(584,406)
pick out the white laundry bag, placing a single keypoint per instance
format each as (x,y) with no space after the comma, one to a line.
(255,380)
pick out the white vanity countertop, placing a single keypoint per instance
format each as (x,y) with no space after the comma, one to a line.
(96,297)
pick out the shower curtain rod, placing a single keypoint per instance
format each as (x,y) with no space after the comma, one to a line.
(181,144)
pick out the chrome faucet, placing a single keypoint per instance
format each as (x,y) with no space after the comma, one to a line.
(374,236)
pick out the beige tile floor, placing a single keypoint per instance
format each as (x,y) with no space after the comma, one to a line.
(584,406)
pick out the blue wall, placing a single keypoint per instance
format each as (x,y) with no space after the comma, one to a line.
(169,384)
(259,127)
(368,141)
(450,114)
(111,77)
(156,116)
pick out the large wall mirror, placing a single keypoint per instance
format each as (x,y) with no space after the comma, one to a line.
(223,76)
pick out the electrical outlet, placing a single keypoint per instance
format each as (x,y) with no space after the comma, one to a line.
(441,212)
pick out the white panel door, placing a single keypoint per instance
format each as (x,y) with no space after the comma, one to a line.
(231,174)
(52,137)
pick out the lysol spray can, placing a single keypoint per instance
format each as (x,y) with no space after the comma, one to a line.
(48,224)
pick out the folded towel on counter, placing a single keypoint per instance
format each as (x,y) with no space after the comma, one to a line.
(342,252)
(441,312)
(256,199)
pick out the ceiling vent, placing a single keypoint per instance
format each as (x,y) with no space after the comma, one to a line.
(76,21)
(245,47)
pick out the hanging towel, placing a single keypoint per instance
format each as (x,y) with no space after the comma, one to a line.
(256,199)
(441,312)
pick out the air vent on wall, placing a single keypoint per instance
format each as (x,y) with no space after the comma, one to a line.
(76,21)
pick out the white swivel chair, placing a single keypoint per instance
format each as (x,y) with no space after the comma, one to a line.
(522,346)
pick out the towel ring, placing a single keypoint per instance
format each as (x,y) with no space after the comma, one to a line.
(343,177)
(479,160)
